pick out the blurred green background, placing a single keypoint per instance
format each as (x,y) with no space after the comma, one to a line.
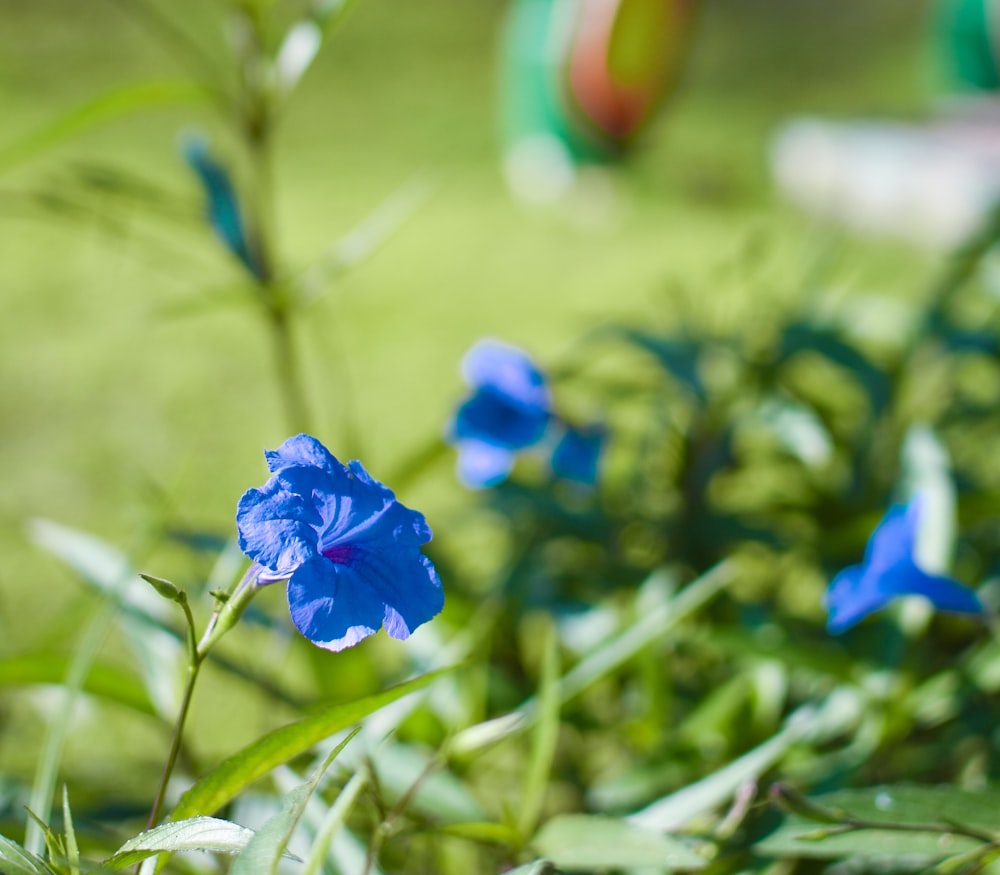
(133,385)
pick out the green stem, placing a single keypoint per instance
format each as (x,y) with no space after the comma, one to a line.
(221,622)
(289,379)
(257,128)
(175,742)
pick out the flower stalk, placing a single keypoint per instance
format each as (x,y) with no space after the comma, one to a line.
(230,609)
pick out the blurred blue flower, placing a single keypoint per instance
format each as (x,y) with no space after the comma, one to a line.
(889,570)
(508,411)
(578,452)
(348,549)
(223,206)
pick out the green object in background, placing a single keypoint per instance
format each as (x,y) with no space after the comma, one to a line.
(580,79)
(533,102)
(969,31)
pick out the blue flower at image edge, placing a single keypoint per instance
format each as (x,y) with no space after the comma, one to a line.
(348,549)
(889,570)
(508,411)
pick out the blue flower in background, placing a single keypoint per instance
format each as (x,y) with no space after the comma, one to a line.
(578,452)
(508,411)
(348,549)
(223,206)
(889,570)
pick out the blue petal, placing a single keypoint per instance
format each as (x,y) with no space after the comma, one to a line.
(495,418)
(277,528)
(943,592)
(405,582)
(481,464)
(851,597)
(336,605)
(305,450)
(894,540)
(360,510)
(577,454)
(889,571)
(330,608)
(490,363)
(350,550)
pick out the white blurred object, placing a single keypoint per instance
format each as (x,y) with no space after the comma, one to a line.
(539,169)
(932,184)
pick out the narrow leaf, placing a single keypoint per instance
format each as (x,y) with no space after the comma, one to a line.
(72,849)
(268,846)
(257,759)
(113,104)
(334,820)
(836,715)
(652,625)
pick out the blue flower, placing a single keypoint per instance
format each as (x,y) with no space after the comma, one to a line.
(578,453)
(508,411)
(223,206)
(889,570)
(348,549)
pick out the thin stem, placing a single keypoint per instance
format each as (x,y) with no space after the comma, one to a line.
(289,378)
(222,621)
(226,617)
(175,742)
(947,828)
(235,592)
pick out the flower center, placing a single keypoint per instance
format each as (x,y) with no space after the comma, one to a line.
(339,554)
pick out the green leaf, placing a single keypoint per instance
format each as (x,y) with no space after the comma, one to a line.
(679,358)
(113,104)
(72,849)
(142,614)
(53,843)
(334,819)
(192,834)
(835,715)
(17,860)
(803,337)
(652,625)
(546,735)
(484,831)
(103,680)
(538,867)
(237,772)
(584,842)
(265,851)
(902,804)
(96,561)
